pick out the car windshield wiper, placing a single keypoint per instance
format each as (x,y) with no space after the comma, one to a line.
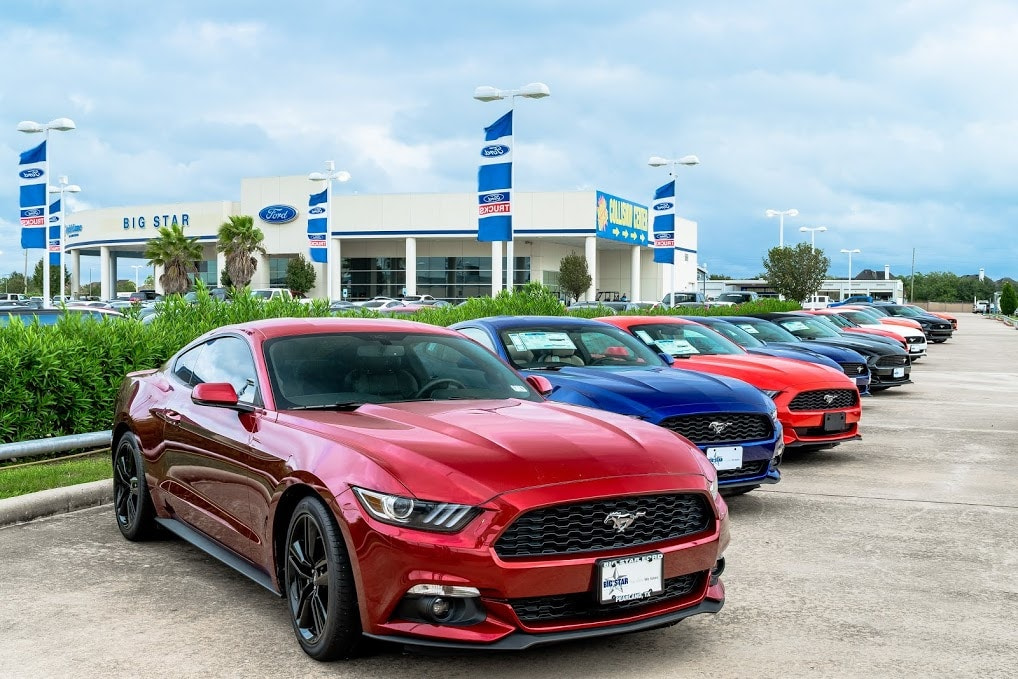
(343,405)
(551,367)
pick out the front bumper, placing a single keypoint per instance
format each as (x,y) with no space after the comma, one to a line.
(389,560)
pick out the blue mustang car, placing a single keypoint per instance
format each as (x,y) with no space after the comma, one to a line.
(597,365)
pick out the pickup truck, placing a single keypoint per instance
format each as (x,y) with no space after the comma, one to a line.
(265,294)
(817,302)
(981,306)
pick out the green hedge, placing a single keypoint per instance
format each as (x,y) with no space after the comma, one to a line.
(63,379)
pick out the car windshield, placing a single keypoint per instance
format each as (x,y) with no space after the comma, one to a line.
(681,297)
(737,335)
(840,321)
(807,327)
(551,347)
(737,297)
(860,317)
(262,294)
(765,331)
(909,312)
(684,339)
(337,370)
(53,316)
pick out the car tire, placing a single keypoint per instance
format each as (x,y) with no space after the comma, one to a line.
(319,586)
(132,504)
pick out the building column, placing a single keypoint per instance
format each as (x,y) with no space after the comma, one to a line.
(106,291)
(337,280)
(634,273)
(411,266)
(496,268)
(590,252)
(220,268)
(75,273)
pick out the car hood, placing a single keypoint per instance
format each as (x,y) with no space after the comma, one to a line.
(652,393)
(838,354)
(865,347)
(472,451)
(794,354)
(766,373)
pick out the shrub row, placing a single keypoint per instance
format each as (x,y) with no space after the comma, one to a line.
(63,379)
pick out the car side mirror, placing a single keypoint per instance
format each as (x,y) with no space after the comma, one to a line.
(541,384)
(219,395)
(667,358)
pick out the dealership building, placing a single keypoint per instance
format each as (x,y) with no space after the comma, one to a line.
(413,242)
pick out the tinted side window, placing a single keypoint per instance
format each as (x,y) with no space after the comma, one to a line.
(185,365)
(228,359)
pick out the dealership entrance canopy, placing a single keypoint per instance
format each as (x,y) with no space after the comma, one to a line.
(414,243)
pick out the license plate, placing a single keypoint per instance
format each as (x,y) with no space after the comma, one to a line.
(862,381)
(728,457)
(635,577)
(899,372)
(834,421)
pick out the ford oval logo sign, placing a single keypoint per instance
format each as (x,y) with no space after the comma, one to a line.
(494,150)
(316,210)
(31,173)
(664,206)
(277,214)
(31,212)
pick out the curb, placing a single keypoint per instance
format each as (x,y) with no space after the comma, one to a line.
(55,501)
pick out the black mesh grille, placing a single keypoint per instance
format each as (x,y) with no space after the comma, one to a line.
(748,470)
(721,427)
(825,399)
(886,361)
(582,527)
(853,369)
(585,605)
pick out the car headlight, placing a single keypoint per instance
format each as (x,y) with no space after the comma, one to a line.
(442,517)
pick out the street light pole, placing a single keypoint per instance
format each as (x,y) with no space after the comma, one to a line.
(688,161)
(781,214)
(812,234)
(32,127)
(849,253)
(331,174)
(136,267)
(62,189)
(487,93)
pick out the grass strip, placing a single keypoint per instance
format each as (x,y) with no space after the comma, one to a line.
(29,478)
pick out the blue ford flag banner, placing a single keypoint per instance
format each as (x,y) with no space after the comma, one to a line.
(33,184)
(494,182)
(55,222)
(663,209)
(318,226)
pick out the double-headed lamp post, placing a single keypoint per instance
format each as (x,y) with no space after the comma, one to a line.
(781,214)
(136,268)
(331,174)
(850,253)
(32,127)
(812,234)
(61,189)
(488,93)
(658,161)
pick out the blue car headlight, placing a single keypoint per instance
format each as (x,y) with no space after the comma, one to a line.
(398,510)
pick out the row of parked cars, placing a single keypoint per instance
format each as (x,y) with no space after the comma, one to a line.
(503,483)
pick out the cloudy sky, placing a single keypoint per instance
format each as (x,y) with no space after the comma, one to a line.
(893,124)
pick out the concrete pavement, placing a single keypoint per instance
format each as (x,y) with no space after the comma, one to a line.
(894,556)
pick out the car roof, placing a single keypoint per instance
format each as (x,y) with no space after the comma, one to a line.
(499,322)
(270,328)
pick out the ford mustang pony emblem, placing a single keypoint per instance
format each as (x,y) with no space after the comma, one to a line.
(620,521)
(718,427)
(829,398)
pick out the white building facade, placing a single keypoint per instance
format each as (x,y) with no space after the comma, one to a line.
(404,243)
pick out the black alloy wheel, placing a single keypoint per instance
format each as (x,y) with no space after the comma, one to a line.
(131,501)
(319,584)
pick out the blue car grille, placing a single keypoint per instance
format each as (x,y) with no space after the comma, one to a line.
(584,526)
(584,604)
(825,399)
(853,369)
(748,470)
(721,427)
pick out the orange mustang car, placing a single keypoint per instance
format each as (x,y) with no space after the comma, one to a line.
(818,406)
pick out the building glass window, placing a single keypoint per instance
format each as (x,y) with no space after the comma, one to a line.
(277,270)
(367,277)
(208,273)
(457,278)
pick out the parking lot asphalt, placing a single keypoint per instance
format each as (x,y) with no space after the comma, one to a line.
(893,556)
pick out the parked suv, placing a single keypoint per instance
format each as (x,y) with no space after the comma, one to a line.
(684,299)
(733,298)
(143,296)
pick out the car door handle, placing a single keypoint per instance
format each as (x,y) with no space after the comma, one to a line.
(172,416)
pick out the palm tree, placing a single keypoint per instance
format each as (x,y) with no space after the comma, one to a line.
(177,254)
(239,239)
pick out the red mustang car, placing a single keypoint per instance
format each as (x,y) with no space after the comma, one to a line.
(395,480)
(818,406)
